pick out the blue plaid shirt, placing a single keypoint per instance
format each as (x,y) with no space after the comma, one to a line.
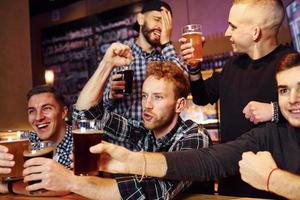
(134,136)
(131,106)
(63,149)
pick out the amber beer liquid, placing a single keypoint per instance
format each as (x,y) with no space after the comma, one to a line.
(195,39)
(86,163)
(15,147)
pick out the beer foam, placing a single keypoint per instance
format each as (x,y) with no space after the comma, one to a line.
(190,33)
(85,131)
(37,153)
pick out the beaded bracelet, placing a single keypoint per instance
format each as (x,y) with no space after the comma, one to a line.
(269,176)
(275,112)
(144,168)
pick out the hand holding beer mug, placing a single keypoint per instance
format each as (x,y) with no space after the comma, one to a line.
(86,133)
(127,77)
(15,144)
(192,33)
(39,149)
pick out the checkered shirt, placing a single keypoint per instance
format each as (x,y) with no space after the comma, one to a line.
(63,149)
(134,136)
(130,106)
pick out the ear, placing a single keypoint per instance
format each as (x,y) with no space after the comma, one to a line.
(140,19)
(180,105)
(64,112)
(256,33)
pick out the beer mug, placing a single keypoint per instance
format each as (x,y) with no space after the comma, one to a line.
(39,149)
(86,133)
(16,144)
(193,34)
(127,76)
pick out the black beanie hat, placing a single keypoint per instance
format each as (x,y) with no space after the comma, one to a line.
(150,6)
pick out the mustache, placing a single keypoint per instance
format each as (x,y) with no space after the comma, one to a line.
(147,31)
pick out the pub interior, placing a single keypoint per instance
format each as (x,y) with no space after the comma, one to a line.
(34,33)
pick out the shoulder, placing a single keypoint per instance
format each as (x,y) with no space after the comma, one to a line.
(191,129)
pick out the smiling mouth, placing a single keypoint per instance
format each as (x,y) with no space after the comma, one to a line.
(42,126)
(295,111)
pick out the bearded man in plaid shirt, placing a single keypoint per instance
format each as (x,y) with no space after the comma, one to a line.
(154,25)
(163,98)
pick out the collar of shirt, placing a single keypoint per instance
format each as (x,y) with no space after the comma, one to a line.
(169,138)
(136,49)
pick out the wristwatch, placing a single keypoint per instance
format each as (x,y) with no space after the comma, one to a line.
(166,44)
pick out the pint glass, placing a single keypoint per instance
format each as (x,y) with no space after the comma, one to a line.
(16,145)
(193,34)
(39,149)
(85,134)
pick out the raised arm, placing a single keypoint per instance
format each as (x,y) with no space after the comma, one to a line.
(116,55)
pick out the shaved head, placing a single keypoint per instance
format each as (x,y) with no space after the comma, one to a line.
(267,14)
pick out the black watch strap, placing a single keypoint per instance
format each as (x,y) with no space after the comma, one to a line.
(166,44)
(10,187)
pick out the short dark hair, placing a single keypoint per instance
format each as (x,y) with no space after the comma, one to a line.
(47,89)
(288,61)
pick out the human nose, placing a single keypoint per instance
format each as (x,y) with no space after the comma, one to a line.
(39,115)
(228,32)
(294,95)
(148,102)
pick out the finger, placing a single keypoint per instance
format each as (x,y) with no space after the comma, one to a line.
(71,156)
(186,46)
(115,77)
(36,161)
(4,170)
(117,88)
(3,149)
(98,148)
(187,53)
(117,95)
(247,154)
(35,186)
(182,40)
(33,170)
(7,163)
(6,156)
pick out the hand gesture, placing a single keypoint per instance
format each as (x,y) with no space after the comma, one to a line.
(166,26)
(255,168)
(258,112)
(118,55)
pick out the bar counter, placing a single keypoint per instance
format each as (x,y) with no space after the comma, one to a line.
(22,197)
(77,197)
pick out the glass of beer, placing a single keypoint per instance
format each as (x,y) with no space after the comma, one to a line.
(16,145)
(39,149)
(193,34)
(127,76)
(86,133)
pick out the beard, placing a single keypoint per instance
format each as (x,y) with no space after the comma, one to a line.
(160,122)
(146,31)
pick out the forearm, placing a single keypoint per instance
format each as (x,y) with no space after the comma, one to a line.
(93,90)
(20,188)
(95,188)
(148,164)
(285,184)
